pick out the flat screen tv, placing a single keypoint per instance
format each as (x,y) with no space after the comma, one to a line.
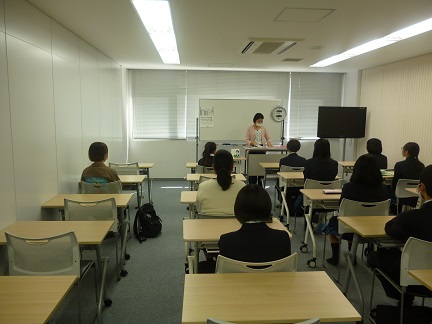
(341,122)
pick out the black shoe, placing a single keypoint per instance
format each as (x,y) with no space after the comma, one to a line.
(333,261)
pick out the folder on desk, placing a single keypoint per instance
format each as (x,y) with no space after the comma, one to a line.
(332,191)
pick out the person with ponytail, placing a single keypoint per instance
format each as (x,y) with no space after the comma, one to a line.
(410,168)
(216,197)
(208,154)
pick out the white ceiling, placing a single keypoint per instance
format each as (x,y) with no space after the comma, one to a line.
(212,31)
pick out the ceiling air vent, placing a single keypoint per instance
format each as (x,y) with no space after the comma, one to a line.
(268,45)
(292,60)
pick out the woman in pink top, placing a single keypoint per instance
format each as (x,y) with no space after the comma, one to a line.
(256,134)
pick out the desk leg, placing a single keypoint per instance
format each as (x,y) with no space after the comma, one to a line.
(101,268)
(350,256)
(196,255)
(149,186)
(285,205)
(265,178)
(309,230)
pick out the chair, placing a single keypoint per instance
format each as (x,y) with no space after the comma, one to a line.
(49,256)
(125,168)
(401,192)
(227,265)
(416,255)
(101,188)
(204,170)
(356,208)
(96,211)
(333,205)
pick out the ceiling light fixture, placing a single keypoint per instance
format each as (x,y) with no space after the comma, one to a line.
(397,36)
(156,17)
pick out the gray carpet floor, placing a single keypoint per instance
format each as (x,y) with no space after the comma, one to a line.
(152,292)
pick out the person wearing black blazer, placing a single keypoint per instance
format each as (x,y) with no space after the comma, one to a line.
(293,160)
(254,241)
(321,166)
(374,148)
(410,168)
(413,223)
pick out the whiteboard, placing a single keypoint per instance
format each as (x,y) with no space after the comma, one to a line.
(230,118)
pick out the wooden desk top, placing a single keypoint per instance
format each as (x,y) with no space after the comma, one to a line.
(32,299)
(274,297)
(346,164)
(132,178)
(318,194)
(210,230)
(87,232)
(367,226)
(196,176)
(145,165)
(423,276)
(191,165)
(265,148)
(291,175)
(122,200)
(188,197)
(412,190)
(269,165)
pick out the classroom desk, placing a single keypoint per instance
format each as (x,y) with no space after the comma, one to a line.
(272,297)
(325,201)
(189,197)
(347,166)
(136,180)
(423,276)
(290,179)
(193,178)
(32,299)
(122,201)
(269,167)
(366,227)
(87,233)
(198,231)
(145,168)
(193,165)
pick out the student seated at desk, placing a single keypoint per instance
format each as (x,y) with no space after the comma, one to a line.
(216,197)
(321,166)
(98,171)
(208,154)
(254,241)
(374,148)
(410,168)
(366,185)
(416,223)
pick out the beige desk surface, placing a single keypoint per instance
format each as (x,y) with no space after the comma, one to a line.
(413,190)
(367,226)
(132,178)
(145,165)
(269,165)
(346,164)
(423,276)
(318,194)
(87,232)
(122,200)
(188,197)
(32,299)
(196,176)
(291,175)
(275,297)
(210,230)
(192,165)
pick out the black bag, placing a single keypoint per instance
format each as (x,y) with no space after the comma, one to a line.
(147,223)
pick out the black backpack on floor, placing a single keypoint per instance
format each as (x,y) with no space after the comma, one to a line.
(147,223)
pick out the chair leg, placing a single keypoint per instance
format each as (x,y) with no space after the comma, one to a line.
(403,289)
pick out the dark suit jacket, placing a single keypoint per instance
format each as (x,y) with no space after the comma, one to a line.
(359,192)
(255,242)
(410,168)
(380,159)
(415,222)
(319,169)
(293,160)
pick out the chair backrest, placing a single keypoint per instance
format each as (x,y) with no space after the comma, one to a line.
(204,169)
(357,208)
(227,265)
(101,188)
(286,168)
(55,255)
(315,184)
(402,185)
(416,255)
(97,210)
(125,168)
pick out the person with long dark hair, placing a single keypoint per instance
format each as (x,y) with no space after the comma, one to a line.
(374,148)
(321,166)
(366,185)
(208,154)
(254,241)
(216,196)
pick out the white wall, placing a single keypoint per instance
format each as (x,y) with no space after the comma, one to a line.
(399,101)
(57,95)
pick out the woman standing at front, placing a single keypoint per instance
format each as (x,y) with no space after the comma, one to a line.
(256,136)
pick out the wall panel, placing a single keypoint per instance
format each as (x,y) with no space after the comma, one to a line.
(33,128)
(64,43)
(2,22)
